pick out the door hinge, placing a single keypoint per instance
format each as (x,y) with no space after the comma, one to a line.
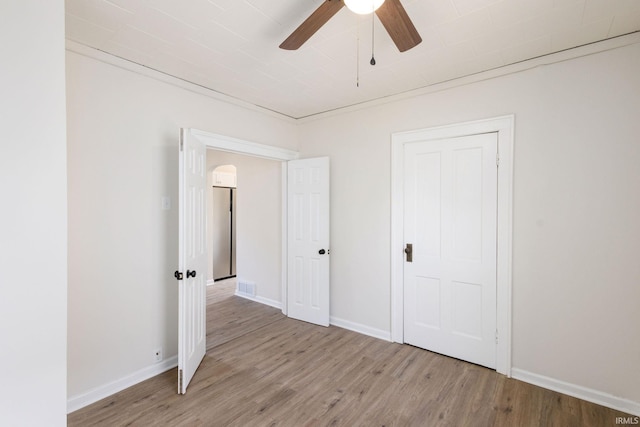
(180,381)
(496,336)
(178,275)
(497,160)
(182,139)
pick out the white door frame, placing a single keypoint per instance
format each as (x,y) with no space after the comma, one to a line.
(239,146)
(504,127)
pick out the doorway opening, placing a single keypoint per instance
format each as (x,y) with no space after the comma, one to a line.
(223,222)
(243,219)
(192,232)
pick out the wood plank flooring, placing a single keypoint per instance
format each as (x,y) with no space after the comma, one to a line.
(229,316)
(263,369)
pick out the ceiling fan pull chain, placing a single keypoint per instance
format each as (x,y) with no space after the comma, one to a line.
(373,59)
(357,52)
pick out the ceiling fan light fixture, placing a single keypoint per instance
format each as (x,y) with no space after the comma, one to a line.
(363,7)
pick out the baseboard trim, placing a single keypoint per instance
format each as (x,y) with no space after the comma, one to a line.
(80,401)
(584,393)
(360,328)
(261,300)
(210,282)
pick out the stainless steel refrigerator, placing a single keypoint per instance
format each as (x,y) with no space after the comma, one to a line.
(224,233)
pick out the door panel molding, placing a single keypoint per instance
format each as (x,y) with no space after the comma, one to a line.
(504,127)
(309,240)
(192,258)
(450,217)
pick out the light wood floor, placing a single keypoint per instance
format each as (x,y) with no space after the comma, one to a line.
(263,369)
(229,316)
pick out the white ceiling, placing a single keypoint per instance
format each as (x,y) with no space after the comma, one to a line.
(231,46)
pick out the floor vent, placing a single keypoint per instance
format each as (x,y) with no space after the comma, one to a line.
(246,288)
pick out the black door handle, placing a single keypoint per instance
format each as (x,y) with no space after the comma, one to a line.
(191,273)
(409,251)
(322,252)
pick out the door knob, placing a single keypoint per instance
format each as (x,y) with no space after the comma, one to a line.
(322,252)
(191,273)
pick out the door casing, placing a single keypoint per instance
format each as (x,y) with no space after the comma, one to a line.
(504,126)
(234,145)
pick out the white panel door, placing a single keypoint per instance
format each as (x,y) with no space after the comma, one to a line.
(308,240)
(192,259)
(450,220)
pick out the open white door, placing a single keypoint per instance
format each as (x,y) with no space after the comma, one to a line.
(192,258)
(308,240)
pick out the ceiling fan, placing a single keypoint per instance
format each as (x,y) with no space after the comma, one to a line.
(390,12)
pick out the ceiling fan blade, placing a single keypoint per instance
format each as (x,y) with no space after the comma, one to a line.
(398,25)
(312,24)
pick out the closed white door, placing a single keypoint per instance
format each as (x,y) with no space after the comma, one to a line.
(192,259)
(450,221)
(308,240)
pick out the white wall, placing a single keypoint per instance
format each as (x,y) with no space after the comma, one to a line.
(576,204)
(576,232)
(33,225)
(123,158)
(259,221)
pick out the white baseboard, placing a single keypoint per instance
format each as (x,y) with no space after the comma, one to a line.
(210,282)
(80,401)
(261,300)
(584,393)
(341,323)
(361,329)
